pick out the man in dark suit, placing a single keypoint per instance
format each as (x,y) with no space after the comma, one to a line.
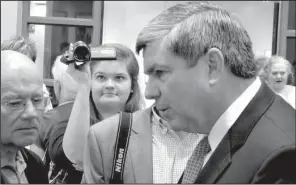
(21,112)
(201,67)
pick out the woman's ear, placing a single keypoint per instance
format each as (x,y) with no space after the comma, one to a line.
(216,65)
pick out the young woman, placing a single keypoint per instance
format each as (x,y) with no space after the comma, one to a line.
(106,87)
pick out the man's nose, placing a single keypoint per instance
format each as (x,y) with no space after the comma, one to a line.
(30,111)
(151,91)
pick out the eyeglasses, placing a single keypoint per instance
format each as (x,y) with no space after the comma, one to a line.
(19,105)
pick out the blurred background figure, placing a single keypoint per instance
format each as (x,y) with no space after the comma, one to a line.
(54,126)
(261,62)
(27,47)
(278,74)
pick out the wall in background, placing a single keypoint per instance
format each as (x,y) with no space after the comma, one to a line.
(8,19)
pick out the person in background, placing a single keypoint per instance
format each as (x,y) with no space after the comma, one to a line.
(261,62)
(278,74)
(64,47)
(22,107)
(55,123)
(105,88)
(27,47)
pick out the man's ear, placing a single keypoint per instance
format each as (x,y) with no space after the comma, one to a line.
(216,65)
(57,89)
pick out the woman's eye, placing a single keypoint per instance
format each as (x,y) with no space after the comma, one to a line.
(120,78)
(100,77)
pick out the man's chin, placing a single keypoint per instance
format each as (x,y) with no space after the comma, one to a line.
(26,141)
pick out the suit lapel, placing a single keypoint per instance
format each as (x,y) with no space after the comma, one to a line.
(219,161)
(140,147)
(236,136)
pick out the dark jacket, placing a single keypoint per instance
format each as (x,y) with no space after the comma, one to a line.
(35,172)
(53,140)
(259,147)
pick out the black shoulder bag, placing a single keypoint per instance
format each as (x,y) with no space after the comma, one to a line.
(121,146)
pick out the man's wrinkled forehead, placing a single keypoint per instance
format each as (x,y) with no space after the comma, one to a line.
(153,54)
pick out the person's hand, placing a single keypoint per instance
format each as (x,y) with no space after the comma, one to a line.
(81,74)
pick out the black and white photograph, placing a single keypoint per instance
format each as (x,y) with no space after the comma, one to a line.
(148,92)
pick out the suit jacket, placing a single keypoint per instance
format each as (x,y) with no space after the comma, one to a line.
(259,148)
(35,172)
(99,150)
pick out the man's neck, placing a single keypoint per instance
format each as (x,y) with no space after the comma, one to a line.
(8,153)
(219,103)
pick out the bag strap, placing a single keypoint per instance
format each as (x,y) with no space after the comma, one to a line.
(121,145)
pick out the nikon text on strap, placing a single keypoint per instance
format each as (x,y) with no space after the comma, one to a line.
(121,145)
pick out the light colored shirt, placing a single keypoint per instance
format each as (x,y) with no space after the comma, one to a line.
(170,153)
(228,118)
(15,173)
(288,95)
(47,102)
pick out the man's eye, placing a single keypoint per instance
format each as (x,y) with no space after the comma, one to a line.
(37,100)
(14,103)
(159,73)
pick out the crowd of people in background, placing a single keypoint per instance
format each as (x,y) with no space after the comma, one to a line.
(221,114)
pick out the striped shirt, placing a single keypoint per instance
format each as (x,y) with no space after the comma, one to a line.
(170,153)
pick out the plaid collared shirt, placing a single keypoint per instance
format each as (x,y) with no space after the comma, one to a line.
(170,153)
(15,174)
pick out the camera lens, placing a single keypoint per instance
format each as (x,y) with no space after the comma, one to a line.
(81,53)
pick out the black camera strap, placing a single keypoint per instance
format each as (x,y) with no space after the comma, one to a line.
(121,145)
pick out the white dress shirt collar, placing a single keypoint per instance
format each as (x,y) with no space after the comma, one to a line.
(228,118)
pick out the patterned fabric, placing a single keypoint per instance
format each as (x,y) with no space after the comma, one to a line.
(195,163)
(170,153)
(15,175)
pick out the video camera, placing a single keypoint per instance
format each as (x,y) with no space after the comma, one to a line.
(82,54)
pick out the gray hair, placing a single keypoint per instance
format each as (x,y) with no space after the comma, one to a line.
(279,59)
(58,69)
(163,23)
(261,62)
(22,45)
(190,29)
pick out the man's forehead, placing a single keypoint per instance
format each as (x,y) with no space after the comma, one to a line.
(153,54)
(11,91)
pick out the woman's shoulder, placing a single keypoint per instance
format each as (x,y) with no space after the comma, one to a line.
(110,124)
(107,125)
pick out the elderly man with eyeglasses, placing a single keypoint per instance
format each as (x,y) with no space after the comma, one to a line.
(22,106)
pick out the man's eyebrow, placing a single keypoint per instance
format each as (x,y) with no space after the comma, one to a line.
(10,96)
